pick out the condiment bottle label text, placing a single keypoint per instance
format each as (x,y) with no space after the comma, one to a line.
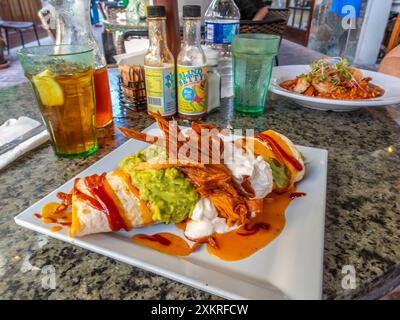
(160,90)
(192,90)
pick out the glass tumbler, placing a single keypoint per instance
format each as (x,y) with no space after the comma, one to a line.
(62,79)
(253,60)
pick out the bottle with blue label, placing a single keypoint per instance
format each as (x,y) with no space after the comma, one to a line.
(221,21)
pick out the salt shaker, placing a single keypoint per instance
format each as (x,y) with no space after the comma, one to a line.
(213,80)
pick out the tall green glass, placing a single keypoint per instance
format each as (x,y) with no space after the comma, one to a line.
(253,60)
(62,79)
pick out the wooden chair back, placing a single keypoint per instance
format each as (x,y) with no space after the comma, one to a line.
(394,38)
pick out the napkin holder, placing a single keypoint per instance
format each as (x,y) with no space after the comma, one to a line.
(132,87)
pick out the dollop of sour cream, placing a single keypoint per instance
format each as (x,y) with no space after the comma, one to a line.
(243,163)
(205,221)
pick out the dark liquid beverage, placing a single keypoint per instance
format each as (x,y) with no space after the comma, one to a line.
(104,113)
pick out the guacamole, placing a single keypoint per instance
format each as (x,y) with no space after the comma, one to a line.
(281,174)
(171,196)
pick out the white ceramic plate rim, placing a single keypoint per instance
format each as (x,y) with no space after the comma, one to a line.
(202,271)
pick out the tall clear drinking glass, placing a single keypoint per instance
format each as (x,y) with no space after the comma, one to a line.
(62,79)
(71,20)
(253,60)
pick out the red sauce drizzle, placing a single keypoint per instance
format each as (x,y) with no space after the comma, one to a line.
(92,201)
(157,238)
(66,198)
(293,161)
(37,215)
(95,184)
(295,195)
(253,229)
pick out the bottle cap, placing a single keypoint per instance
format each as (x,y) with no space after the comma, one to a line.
(191,11)
(155,11)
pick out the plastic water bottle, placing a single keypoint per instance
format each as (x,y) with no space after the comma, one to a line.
(221,24)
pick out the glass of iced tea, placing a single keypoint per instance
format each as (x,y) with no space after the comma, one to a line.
(62,79)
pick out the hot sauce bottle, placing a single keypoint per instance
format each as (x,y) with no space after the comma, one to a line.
(192,67)
(173,33)
(159,66)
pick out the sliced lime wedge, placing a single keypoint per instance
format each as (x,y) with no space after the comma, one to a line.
(50,92)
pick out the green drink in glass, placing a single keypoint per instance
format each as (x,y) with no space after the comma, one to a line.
(62,79)
(253,60)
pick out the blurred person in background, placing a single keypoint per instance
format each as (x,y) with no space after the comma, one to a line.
(391,63)
(94,14)
(255,10)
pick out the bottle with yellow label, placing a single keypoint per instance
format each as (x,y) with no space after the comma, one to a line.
(192,67)
(159,66)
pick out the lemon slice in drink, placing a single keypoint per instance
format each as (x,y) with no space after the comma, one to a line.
(50,92)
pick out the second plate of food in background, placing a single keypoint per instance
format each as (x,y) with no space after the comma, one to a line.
(390,84)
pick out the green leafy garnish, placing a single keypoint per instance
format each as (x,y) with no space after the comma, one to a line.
(330,69)
(342,68)
(335,81)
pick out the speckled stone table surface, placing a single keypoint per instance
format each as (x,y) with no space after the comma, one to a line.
(362,214)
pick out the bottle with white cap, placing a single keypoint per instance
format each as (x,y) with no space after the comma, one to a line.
(222,22)
(213,79)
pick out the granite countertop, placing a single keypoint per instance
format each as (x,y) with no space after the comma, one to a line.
(362,214)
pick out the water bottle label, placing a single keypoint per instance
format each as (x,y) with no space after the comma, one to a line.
(160,88)
(221,32)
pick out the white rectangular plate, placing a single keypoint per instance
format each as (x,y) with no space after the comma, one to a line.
(288,268)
